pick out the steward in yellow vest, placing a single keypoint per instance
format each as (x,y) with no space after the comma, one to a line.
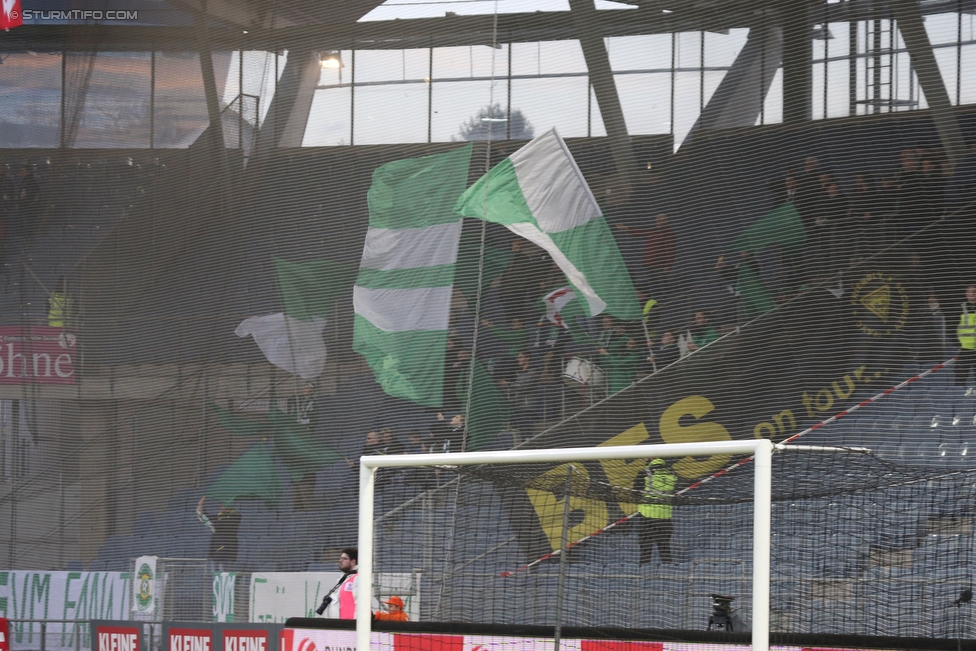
(656,487)
(966,334)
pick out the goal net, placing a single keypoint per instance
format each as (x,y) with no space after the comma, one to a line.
(849,533)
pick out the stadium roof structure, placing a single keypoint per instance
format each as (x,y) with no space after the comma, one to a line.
(253,24)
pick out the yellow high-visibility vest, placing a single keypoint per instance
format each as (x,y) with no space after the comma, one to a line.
(658,491)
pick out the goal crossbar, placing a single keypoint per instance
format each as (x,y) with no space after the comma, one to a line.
(762,450)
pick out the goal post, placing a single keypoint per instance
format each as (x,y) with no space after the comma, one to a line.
(761,450)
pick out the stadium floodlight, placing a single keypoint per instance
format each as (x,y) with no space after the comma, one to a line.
(761,449)
(331,60)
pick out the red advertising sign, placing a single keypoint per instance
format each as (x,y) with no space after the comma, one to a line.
(4,634)
(190,639)
(244,640)
(37,354)
(118,638)
(10,14)
(620,645)
(421,642)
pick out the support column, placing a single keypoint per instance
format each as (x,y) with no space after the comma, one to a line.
(284,124)
(738,100)
(930,78)
(216,128)
(585,19)
(797,61)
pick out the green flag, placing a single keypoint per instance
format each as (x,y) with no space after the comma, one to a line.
(490,410)
(253,475)
(782,226)
(402,295)
(309,289)
(539,193)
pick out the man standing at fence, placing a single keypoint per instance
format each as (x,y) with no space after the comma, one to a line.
(340,603)
(656,488)
(223,540)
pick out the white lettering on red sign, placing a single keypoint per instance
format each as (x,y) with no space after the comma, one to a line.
(118,642)
(189,642)
(245,643)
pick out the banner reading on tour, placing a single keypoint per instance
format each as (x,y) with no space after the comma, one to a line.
(60,596)
(37,355)
(785,371)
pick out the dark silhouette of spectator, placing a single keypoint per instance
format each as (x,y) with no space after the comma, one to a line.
(702,332)
(522,393)
(834,223)
(808,194)
(515,340)
(622,363)
(519,285)
(666,351)
(910,195)
(223,526)
(865,216)
(389,443)
(659,251)
(446,435)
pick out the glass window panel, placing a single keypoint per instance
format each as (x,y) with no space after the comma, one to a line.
(946,58)
(336,76)
(328,119)
(773,106)
(722,49)
(387,65)
(712,80)
(969,72)
(180,102)
(457,102)
(688,50)
(548,103)
(687,92)
(469,61)
(838,101)
(391,113)
(942,28)
(639,52)
(839,45)
(817,96)
(646,101)
(117,103)
(549,57)
(30,100)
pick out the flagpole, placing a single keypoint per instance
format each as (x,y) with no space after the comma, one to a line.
(481,249)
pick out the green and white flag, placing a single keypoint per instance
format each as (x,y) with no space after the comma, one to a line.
(402,295)
(539,193)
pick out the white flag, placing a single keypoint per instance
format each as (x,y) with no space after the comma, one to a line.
(293,345)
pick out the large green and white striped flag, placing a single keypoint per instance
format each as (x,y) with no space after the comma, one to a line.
(539,193)
(402,295)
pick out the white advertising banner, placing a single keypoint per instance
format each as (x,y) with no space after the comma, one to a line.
(144,592)
(276,596)
(30,594)
(224,584)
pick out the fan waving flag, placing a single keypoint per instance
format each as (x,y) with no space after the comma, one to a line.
(539,193)
(402,296)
